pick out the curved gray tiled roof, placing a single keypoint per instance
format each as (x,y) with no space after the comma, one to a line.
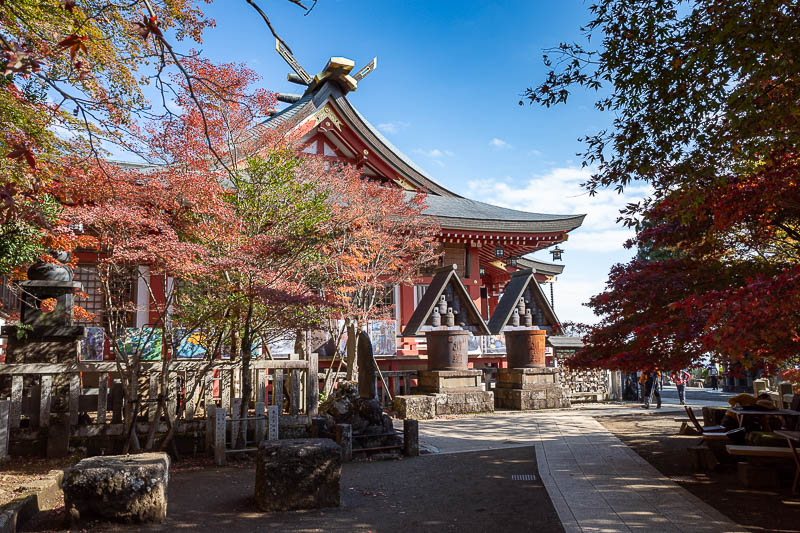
(450,209)
(542,267)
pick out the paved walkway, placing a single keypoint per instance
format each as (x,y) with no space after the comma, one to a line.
(595,482)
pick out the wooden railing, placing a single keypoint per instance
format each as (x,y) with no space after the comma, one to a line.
(94,389)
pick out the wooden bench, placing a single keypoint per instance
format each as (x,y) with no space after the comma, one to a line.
(755,471)
(759,451)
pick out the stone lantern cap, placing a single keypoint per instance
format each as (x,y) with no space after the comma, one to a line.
(446,284)
(521,288)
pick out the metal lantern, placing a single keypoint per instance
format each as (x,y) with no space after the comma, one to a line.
(499,252)
(556,253)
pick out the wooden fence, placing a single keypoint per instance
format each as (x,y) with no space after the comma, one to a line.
(95,399)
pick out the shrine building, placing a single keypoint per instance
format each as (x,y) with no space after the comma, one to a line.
(487,242)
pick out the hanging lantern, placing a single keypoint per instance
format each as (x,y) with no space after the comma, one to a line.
(556,253)
(499,252)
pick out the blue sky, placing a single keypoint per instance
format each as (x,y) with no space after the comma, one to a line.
(446,92)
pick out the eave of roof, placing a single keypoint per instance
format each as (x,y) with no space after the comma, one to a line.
(541,267)
(445,206)
(564,341)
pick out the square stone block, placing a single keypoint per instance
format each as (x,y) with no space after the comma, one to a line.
(524,400)
(435,381)
(527,378)
(297,474)
(465,403)
(121,488)
(416,406)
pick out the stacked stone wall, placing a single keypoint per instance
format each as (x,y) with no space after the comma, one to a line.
(578,382)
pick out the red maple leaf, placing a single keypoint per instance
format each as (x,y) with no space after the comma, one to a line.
(22,152)
(148,26)
(75,44)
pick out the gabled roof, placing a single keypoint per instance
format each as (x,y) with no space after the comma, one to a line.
(565,342)
(451,210)
(522,282)
(446,277)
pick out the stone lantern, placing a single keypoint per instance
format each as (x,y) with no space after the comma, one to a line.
(447,316)
(46,337)
(527,383)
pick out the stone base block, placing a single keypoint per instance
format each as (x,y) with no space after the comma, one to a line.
(462,403)
(415,407)
(527,378)
(121,488)
(524,400)
(297,474)
(428,406)
(435,381)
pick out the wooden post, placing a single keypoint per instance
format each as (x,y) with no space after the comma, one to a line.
(16,400)
(295,400)
(102,397)
(210,429)
(191,394)
(219,436)
(46,400)
(208,389)
(116,402)
(152,394)
(317,424)
(172,395)
(261,423)
(74,395)
(236,407)
(226,389)
(344,438)
(5,428)
(410,437)
(395,386)
(312,387)
(407,384)
(273,418)
(277,389)
(261,386)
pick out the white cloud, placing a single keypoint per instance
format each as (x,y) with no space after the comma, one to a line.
(558,191)
(392,127)
(434,153)
(534,152)
(500,144)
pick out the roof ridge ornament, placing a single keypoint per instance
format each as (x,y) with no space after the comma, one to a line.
(337,69)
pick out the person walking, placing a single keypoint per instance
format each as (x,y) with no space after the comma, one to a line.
(656,388)
(713,371)
(681,378)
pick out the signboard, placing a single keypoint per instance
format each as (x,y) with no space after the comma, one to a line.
(92,346)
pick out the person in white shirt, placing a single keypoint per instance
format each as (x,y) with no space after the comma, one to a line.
(713,371)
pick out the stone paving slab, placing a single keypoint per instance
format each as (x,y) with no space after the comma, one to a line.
(596,483)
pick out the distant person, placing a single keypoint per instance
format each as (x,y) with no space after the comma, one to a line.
(681,378)
(713,371)
(651,380)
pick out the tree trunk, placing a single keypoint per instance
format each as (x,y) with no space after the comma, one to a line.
(352,347)
(247,378)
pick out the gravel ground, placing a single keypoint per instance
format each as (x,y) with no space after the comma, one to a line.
(465,492)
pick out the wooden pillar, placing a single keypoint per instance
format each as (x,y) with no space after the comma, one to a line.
(46,396)
(312,387)
(5,428)
(102,397)
(261,422)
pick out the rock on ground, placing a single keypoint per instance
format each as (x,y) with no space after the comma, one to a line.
(121,488)
(297,474)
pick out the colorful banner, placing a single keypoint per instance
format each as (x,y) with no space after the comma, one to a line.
(144,341)
(92,346)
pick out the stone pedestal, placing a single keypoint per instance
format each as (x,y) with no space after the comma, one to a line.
(122,488)
(529,388)
(297,474)
(446,392)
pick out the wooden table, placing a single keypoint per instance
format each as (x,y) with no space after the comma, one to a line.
(741,413)
(793,437)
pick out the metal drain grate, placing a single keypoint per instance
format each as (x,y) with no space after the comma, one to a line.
(523,477)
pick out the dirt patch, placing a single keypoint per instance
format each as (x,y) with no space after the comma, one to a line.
(18,474)
(654,436)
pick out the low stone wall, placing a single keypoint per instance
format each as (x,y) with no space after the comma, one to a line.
(429,406)
(588,384)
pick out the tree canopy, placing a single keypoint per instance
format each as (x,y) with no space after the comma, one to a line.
(705,103)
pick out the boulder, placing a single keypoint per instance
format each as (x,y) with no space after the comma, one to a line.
(120,488)
(297,474)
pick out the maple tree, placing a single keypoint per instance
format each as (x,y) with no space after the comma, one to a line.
(705,99)
(384,241)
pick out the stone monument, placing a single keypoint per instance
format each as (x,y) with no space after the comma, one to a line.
(447,315)
(47,336)
(527,383)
